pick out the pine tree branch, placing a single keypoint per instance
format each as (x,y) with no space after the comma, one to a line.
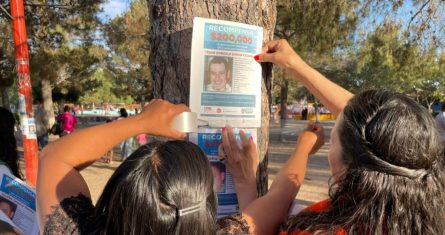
(6,12)
(60,6)
(418,12)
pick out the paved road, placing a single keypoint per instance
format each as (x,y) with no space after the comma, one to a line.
(282,142)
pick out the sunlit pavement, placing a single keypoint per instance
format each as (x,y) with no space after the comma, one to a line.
(282,143)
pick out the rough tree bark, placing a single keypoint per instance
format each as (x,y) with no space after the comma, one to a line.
(171,34)
(47,97)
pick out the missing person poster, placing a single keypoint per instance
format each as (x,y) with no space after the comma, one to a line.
(209,140)
(18,204)
(28,127)
(225,80)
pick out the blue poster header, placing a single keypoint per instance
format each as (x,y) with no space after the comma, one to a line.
(230,38)
(18,191)
(209,142)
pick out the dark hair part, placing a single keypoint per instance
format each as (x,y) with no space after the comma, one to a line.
(8,145)
(66,108)
(394,181)
(145,193)
(123,112)
(219,60)
(218,165)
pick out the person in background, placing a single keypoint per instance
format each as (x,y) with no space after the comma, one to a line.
(440,123)
(141,138)
(9,159)
(126,146)
(110,153)
(304,113)
(67,120)
(41,121)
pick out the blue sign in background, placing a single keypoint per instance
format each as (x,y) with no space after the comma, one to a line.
(230,45)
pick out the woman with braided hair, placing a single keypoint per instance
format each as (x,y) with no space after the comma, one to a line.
(385,157)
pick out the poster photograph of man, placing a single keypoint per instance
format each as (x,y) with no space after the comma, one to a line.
(218,74)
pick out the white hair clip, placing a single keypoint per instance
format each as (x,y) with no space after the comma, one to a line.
(192,209)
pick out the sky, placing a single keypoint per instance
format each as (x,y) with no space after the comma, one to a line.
(112,8)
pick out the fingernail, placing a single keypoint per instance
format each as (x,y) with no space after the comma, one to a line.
(257,57)
(251,138)
(223,130)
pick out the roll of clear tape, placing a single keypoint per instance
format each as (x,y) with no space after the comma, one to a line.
(186,122)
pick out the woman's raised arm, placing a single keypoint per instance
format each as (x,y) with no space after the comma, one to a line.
(265,214)
(60,162)
(279,52)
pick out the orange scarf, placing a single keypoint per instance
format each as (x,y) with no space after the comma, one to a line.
(316,207)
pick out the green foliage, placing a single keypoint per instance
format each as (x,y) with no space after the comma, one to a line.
(127,37)
(61,35)
(7,73)
(388,60)
(99,89)
(370,44)
(317,30)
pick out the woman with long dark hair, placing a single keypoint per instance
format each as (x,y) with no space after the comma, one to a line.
(8,145)
(385,157)
(162,188)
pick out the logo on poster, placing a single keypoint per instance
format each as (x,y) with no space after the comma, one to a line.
(218,110)
(249,110)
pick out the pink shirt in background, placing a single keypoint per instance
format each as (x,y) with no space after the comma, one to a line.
(68,121)
(142,139)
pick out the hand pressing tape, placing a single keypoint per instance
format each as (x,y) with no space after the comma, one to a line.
(186,122)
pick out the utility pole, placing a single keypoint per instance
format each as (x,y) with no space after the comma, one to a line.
(30,147)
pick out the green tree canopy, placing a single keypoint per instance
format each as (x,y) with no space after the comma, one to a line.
(99,89)
(127,37)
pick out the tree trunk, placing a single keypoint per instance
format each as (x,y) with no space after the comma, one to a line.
(171,35)
(47,97)
(283,100)
(5,99)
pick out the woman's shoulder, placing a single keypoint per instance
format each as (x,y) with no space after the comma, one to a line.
(232,225)
(4,168)
(71,216)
